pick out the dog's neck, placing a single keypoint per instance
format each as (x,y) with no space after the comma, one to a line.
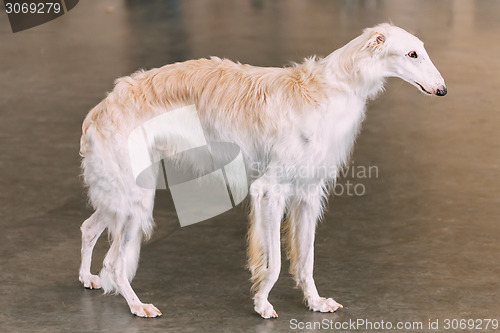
(352,69)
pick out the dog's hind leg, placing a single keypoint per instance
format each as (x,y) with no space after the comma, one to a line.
(91,229)
(304,210)
(120,264)
(126,266)
(264,252)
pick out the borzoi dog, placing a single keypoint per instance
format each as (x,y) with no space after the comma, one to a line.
(305,116)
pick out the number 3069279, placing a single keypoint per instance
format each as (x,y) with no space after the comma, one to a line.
(472,324)
(32,8)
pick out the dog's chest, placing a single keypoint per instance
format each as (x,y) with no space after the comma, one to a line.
(322,142)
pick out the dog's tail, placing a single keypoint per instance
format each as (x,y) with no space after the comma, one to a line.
(110,187)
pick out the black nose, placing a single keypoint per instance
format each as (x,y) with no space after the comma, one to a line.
(441,92)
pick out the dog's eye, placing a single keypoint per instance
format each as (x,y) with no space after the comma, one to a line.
(412,54)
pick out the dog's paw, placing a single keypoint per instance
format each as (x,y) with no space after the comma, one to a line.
(265,309)
(91,281)
(145,310)
(322,304)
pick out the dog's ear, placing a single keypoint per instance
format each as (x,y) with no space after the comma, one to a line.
(376,40)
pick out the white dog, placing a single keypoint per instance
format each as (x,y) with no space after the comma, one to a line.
(305,116)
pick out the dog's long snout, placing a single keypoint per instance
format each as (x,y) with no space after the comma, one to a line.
(441,91)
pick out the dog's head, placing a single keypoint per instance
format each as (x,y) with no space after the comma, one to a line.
(405,57)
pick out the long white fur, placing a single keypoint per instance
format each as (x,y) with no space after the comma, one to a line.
(302,117)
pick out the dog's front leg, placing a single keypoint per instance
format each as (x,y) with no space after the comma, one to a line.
(264,254)
(304,211)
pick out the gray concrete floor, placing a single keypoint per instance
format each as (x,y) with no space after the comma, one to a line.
(421,243)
